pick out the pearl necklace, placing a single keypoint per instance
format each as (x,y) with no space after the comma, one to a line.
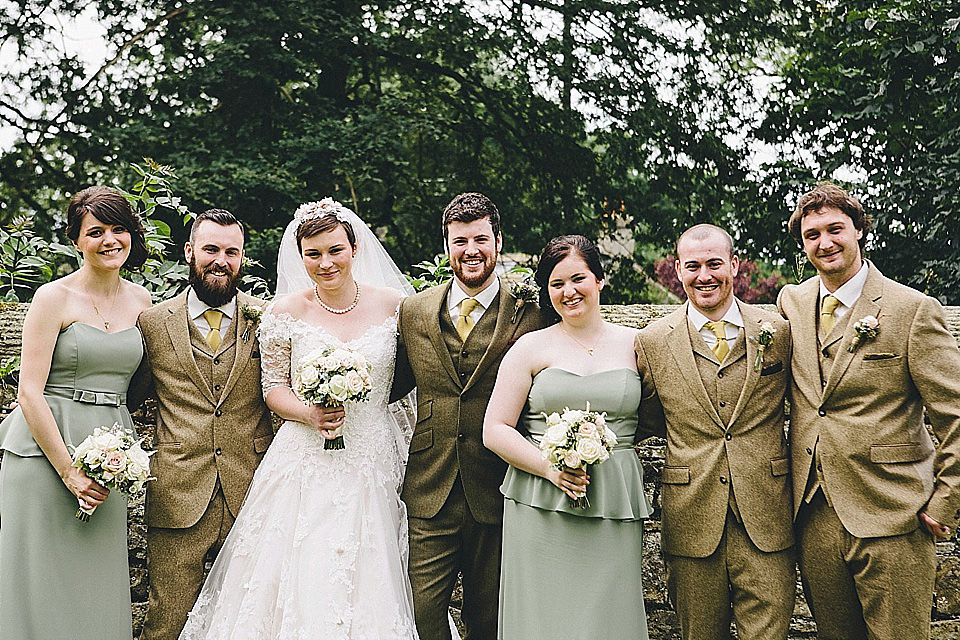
(356,299)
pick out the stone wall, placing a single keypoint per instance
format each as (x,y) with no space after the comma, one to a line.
(945,615)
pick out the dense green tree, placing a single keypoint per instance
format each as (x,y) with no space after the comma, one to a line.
(566,112)
(870,94)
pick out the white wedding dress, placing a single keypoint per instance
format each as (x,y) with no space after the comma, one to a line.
(319,549)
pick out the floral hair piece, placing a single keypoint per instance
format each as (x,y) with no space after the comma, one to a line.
(325,207)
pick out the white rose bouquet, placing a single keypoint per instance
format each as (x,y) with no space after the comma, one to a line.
(575,439)
(330,377)
(114,458)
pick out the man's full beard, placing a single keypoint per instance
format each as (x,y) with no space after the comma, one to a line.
(210,293)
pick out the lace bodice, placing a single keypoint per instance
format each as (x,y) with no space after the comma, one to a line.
(368,432)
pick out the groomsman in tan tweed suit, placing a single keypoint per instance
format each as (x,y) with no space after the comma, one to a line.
(452,339)
(203,364)
(714,377)
(871,490)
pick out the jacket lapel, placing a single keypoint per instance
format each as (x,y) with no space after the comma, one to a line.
(502,334)
(179,331)
(436,301)
(243,348)
(805,341)
(866,305)
(751,327)
(681,345)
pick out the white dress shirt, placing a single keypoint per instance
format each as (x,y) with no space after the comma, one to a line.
(732,317)
(485,298)
(848,293)
(196,308)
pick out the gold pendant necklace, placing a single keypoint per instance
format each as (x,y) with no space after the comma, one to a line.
(589,350)
(106,323)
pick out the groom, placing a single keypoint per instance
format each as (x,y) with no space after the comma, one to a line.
(452,339)
(727,526)
(213,427)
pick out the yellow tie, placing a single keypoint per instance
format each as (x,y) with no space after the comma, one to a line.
(464,321)
(214,317)
(828,305)
(721,349)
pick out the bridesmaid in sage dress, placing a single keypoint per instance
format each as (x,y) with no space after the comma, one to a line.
(59,577)
(569,572)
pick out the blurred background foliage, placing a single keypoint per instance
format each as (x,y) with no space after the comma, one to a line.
(624,120)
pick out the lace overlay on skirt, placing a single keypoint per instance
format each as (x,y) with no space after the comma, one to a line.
(320,548)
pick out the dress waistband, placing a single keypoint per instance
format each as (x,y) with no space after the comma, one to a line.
(86,396)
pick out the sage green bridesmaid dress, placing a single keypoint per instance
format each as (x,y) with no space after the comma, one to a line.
(61,578)
(568,572)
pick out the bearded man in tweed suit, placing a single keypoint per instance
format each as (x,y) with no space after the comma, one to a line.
(871,490)
(203,364)
(452,339)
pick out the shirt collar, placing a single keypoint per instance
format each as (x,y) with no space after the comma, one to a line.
(850,291)
(196,307)
(732,316)
(485,297)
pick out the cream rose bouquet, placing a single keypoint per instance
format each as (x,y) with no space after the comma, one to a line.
(114,458)
(575,439)
(330,377)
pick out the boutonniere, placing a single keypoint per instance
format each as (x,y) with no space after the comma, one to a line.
(763,340)
(252,315)
(525,290)
(867,328)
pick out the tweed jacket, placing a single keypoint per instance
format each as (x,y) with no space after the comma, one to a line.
(448,438)
(706,456)
(880,466)
(199,439)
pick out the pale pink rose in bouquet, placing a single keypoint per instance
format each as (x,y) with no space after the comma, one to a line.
(576,438)
(113,457)
(330,377)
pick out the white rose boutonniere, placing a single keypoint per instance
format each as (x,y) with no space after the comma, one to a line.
(764,339)
(867,328)
(252,315)
(525,290)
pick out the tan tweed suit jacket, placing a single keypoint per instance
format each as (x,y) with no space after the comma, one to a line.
(201,439)
(448,438)
(880,465)
(703,451)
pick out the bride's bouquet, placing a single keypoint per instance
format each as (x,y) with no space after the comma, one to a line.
(330,377)
(575,439)
(114,458)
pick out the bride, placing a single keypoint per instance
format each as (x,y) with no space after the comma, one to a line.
(319,549)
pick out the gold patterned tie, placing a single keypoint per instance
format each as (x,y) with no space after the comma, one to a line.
(464,321)
(721,349)
(828,305)
(214,317)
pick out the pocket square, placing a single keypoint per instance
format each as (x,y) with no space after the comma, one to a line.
(879,356)
(769,370)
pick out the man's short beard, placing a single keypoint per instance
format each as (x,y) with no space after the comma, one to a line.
(212,296)
(476,281)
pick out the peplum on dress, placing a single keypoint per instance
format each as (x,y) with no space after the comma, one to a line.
(59,577)
(569,572)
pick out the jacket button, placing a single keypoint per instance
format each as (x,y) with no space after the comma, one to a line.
(722,404)
(218,413)
(461,437)
(218,451)
(822,412)
(720,374)
(729,436)
(463,376)
(809,451)
(216,387)
(216,361)
(463,354)
(723,479)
